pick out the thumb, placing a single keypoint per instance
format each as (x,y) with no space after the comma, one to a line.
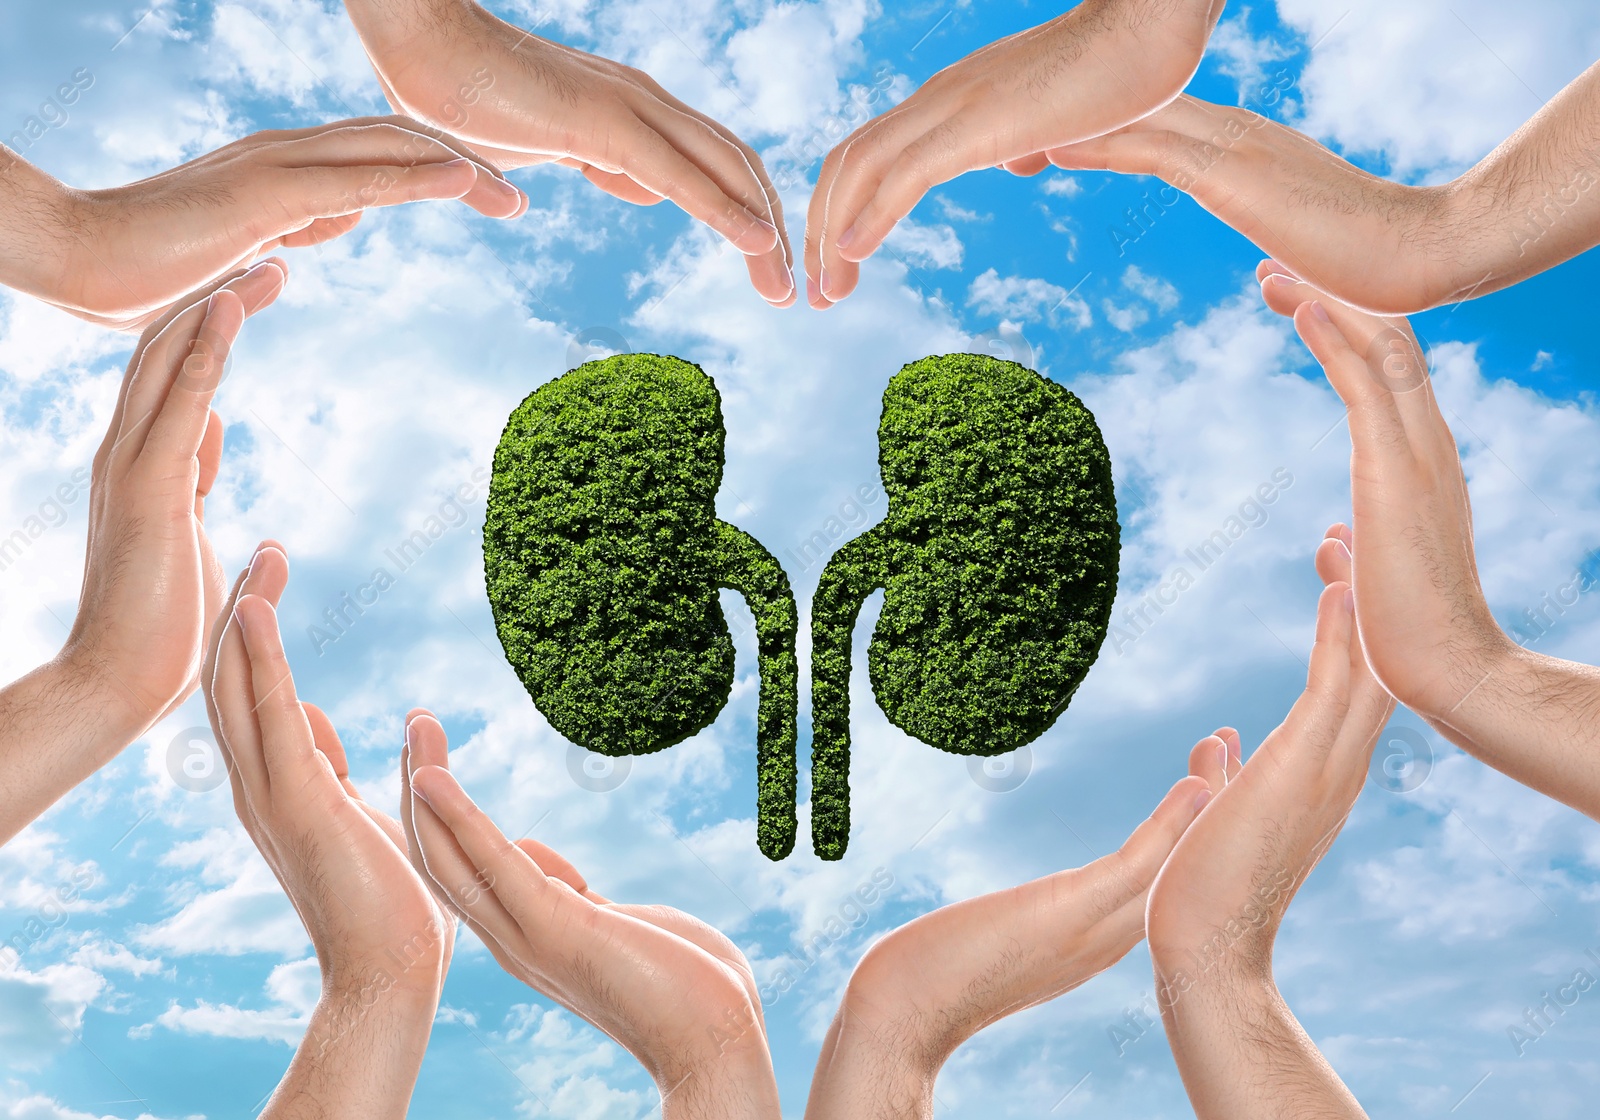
(1134,866)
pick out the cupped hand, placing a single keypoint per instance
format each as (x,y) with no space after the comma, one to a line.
(925,988)
(121,256)
(1096,68)
(1427,627)
(521,100)
(151,584)
(673,991)
(1216,905)
(377,930)
(1323,217)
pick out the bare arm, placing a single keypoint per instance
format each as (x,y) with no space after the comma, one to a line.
(1527,206)
(1430,634)
(150,582)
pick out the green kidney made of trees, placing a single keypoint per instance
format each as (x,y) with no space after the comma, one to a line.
(998,557)
(998,560)
(603,554)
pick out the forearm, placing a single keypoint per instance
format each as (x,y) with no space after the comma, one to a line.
(34,223)
(1244,1056)
(359,1059)
(737,1084)
(54,733)
(870,1071)
(1535,719)
(1534,201)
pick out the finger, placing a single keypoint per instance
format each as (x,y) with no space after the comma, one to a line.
(325,739)
(286,738)
(880,132)
(406,143)
(556,866)
(434,851)
(178,426)
(319,231)
(1314,721)
(1334,561)
(617,185)
(1376,426)
(1208,759)
(514,884)
(168,343)
(210,455)
(662,165)
(307,193)
(772,272)
(1133,866)
(230,690)
(1027,166)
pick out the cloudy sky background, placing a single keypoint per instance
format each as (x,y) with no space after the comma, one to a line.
(179,983)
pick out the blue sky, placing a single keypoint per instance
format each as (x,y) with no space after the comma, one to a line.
(176,984)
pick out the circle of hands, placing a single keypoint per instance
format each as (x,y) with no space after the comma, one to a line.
(1207,877)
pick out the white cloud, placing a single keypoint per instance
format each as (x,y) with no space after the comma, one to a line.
(924,245)
(42,1011)
(1062,186)
(241,908)
(1028,299)
(300,50)
(18,1102)
(1152,288)
(1243,56)
(572,1068)
(1431,86)
(1125,319)
(292,990)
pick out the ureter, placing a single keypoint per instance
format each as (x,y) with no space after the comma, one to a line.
(751,570)
(853,573)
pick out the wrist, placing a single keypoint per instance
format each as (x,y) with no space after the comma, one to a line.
(121,715)
(1479,657)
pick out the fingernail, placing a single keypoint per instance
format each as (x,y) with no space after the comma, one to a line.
(254,560)
(418,792)
(1319,311)
(459,161)
(811,290)
(847,238)
(1222,755)
(826,286)
(1201,799)
(1350,599)
(1279,279)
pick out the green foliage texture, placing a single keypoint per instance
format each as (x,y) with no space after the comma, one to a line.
(603,554)
(998,559)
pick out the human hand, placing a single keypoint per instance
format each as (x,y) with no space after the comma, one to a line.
(1216,905)
(673,991)
(382,941)
(119,257)
(1325,218)
(1425,622)
(522,100)
(151,584)
(927,987)
(1101,65)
